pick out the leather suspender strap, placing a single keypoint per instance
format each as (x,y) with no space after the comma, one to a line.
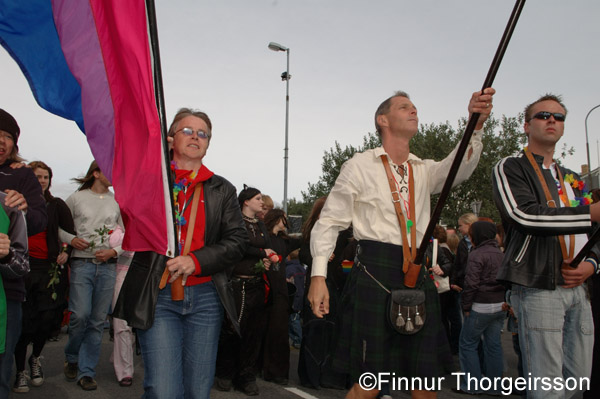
(192,223)
(176,286)
(552,204)
(413,210)
(567,204)
(409,255)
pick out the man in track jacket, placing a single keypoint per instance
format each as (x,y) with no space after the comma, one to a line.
(545,227)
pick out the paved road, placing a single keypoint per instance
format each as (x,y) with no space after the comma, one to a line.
(55,385)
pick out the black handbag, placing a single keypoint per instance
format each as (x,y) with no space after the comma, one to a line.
(137,300)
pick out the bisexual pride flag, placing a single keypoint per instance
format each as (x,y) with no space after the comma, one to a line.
(89,61)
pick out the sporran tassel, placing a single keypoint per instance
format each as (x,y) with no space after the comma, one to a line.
(400,320)
(409,324)
(418,318)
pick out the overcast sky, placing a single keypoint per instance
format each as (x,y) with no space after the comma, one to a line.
(346,56)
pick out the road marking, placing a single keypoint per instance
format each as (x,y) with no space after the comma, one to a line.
(300,393)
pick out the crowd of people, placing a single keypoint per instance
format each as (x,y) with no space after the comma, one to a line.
(242,291)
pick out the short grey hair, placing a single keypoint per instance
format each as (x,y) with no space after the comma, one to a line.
(384,107)
(185,112)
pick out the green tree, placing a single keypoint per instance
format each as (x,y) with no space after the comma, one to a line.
(501,138)
(332,163)
(299,208)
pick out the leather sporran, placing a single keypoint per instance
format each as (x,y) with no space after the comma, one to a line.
(406,310)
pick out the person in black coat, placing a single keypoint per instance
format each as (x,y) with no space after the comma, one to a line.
(276,347)
(180,348)
(451,313)
(314,363)
(25,193)
(482,303)
(47,283)
(238,356)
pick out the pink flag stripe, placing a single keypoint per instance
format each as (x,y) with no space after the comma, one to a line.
(123,35)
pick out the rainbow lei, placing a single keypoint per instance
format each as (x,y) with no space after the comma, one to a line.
(178,187)
(585,199)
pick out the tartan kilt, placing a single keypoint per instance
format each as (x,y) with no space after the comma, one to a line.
(365,340)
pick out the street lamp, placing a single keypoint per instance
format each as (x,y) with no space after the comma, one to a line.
(587,146)
(476,207)
(285,76)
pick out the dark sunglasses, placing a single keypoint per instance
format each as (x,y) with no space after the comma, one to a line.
(545,115)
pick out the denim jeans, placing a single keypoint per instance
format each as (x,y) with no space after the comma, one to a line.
(451,318)
(295,329)
(476,326)
(556,335)
(180,349)
(90,295)
(13,332)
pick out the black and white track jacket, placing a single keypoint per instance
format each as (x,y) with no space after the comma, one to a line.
(532,256)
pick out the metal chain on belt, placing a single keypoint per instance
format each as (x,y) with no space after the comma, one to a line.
(243,301)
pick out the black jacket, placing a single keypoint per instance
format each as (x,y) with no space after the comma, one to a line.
(481,285)
(459,267)
(255,250)
(24,181)
(444,261)
(532,256)
(59,215)
(282,245)
(225,239)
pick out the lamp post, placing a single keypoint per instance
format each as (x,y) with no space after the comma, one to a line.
(476,207)
(285,76)
(587,146)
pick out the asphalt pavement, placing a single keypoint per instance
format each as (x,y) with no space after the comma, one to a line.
(56,386)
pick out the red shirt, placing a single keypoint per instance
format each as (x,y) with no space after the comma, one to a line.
(38,246)
(200,225)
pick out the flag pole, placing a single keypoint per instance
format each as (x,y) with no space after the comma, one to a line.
(586,249)
(159,95)
(462,148)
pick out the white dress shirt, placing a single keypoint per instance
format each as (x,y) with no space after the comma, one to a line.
(361,196)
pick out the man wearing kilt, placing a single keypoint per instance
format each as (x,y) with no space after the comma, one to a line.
(362,197)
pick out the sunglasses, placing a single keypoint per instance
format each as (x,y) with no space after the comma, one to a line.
(188,131)
(545,115)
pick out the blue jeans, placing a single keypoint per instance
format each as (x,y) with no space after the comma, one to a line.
(180,349)
(556,335)
(90,296)
(452,317)
(14,314)
(295,329)
(474,327)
